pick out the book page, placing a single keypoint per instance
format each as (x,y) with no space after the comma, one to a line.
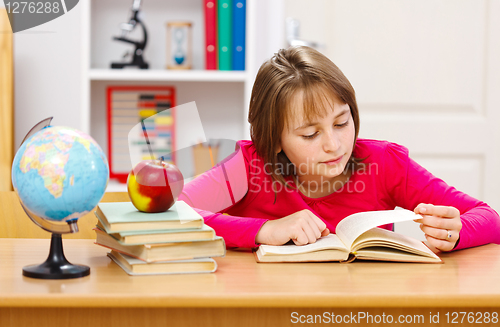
(382,237)
(354,225)
(388,254)
(324,243)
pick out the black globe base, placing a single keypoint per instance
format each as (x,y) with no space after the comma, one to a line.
(56,266)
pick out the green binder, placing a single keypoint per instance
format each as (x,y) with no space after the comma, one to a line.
(225,33)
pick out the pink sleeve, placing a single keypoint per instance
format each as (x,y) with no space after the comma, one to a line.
(236,231)
(218,189)
(409,184)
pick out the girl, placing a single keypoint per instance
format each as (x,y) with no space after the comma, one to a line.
(305,169)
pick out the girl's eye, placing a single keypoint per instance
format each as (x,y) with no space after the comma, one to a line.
(342,125)
(311,136)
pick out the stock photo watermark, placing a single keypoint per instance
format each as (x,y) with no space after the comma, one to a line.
(24,15)
(323,184)
(365,317)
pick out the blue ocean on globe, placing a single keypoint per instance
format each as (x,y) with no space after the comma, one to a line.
(60,173)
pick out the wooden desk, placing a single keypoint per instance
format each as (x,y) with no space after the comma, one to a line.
(241,292)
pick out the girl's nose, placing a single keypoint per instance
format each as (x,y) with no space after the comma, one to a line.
(330,142)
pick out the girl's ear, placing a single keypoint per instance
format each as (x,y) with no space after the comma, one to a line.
(278,149)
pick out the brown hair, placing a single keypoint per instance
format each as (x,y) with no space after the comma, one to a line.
(293,70)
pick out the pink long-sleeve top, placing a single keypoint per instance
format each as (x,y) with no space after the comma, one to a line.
(236,197)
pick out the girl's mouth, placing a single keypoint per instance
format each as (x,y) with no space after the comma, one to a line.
(334,161)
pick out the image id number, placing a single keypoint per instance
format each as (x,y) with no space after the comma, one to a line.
(32,7)
(471,317)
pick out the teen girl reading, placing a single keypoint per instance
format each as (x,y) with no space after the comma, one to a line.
(305,168)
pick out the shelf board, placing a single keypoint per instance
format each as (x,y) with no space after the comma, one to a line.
(166,75)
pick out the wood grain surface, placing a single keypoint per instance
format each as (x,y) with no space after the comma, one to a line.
(6,102)
(468,278)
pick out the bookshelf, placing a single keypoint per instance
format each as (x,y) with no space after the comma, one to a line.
(221,97)
(167,75)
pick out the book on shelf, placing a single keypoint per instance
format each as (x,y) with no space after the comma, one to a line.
(210,11)
(357,237)
(205,233)
(123,216)
(155,252)
(225,33)
(239,30)
(133,266)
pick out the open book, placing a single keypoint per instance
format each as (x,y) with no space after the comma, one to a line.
(357,237)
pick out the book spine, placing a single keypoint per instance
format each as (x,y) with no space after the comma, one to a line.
(239,29)
(224,19)
(211,34)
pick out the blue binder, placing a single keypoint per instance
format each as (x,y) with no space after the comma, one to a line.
(239,30)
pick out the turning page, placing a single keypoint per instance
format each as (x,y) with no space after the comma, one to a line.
(354,225)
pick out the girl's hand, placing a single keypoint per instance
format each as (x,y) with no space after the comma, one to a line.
(441,225)
(302,227)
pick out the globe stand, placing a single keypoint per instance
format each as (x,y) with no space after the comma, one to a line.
(56,266)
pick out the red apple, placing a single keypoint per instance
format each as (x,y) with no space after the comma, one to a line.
(154,185)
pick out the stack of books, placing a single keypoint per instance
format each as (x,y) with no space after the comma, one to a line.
(175,241)
(225,29)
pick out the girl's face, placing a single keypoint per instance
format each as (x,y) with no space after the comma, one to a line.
(320,148)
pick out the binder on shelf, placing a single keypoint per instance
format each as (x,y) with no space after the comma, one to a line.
(210,34)
(239,29)
(127,106)
(225,33)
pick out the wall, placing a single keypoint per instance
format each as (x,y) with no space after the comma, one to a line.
(48,74)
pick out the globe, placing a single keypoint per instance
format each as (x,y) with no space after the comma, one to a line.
(60,174)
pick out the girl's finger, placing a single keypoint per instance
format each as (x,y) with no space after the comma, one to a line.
(441,234)
(440,211)
(311,232)
(317,221)
(439,244)
(438,222)
(419,207)
(300,239)
(315,228)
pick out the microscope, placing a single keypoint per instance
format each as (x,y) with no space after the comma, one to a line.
(137,57)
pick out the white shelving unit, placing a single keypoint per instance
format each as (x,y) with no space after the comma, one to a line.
(221,97)
(168,76)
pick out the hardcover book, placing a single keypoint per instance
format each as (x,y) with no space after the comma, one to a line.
(205,233)
(133,266)
(123,216)
(164,251)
